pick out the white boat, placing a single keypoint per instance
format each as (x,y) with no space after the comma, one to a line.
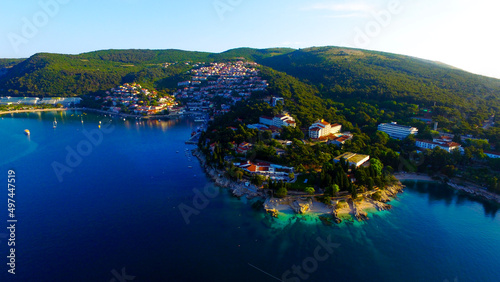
(54,124)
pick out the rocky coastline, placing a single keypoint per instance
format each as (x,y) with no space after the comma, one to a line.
(468,188)
(238,189)
(305,204)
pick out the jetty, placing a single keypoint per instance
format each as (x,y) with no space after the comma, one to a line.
(194,139)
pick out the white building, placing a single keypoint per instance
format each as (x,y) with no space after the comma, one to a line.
(266,120)
(397,131)
(353,159)
(278,121)
(276,100)
(284,120)
(322,128)
(444,143)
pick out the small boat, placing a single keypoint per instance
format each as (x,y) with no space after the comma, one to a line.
(99,122)
(27,132)
(54,124)
(177,151)
(190,167)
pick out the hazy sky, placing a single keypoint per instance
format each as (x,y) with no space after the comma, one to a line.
(457,32)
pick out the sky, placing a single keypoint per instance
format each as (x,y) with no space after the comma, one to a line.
(460,33)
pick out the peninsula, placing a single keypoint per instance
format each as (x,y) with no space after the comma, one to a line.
(319,130)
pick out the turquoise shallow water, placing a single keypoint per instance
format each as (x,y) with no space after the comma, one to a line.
(121,207)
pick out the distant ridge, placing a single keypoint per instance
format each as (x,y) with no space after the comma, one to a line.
(335,72)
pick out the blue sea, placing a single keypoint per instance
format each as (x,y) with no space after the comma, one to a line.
(127,202)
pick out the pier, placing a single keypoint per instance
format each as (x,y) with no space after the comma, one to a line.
(194,139)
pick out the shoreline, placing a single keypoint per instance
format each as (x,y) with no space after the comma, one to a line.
(340,209)
(34,111)
(89,110)
(469,188)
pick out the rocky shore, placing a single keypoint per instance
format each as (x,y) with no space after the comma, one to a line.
(305,204)
(238,189)
(469,188)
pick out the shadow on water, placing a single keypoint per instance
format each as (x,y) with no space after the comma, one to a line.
(442,192)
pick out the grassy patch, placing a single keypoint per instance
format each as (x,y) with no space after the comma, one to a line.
(299,183)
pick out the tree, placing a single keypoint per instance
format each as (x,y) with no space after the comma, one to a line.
(354,191)
(281,193)
(377,165)
(291,175)
(310,190)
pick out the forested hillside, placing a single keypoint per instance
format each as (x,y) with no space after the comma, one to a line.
(339,84)
(73,75)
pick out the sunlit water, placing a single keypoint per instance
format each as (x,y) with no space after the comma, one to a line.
(119,208)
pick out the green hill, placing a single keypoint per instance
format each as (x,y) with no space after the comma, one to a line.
(364,87)
(341,72)
(46,74)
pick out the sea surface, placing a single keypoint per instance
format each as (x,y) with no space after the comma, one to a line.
(127,202)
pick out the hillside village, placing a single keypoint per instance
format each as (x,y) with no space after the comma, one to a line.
(228,83)
(133,98)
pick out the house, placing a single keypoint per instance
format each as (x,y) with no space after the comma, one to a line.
(397,131)
(243,148)
(268,170)
(339,141)
(322,128)
(276,100)
(352,158)
(444,142)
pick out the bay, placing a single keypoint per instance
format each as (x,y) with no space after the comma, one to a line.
(138,204)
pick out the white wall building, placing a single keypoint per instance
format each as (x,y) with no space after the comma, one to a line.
(266,120)
(443,143)
(322,128)
(278,121)
(397,131)
(283,120)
